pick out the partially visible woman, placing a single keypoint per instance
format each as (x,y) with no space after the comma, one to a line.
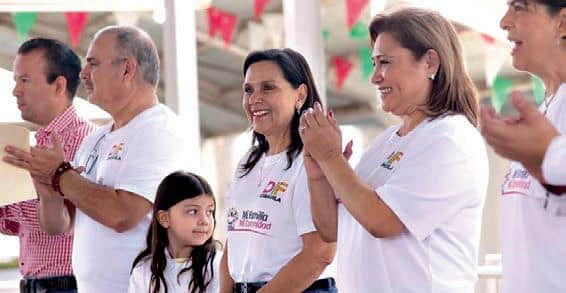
(533,224)
(272,243)
(408,217)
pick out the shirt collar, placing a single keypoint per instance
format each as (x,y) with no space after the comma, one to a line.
(60,122)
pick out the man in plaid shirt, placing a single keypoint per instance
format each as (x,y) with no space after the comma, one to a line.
(46,72)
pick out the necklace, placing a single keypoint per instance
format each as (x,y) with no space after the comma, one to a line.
(266,173)
(547,101)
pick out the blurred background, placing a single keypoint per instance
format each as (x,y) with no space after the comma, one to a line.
(202,45)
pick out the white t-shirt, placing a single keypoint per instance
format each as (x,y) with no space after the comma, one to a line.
(554,161)
(268,211)
(133,158)
(533,224)
(435,180)
(141,276)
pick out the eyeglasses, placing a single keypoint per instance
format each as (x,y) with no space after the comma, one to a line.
(93,156)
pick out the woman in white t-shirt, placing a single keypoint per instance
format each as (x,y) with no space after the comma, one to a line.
(181,254)
(272,243)
(408,217)
(533,210)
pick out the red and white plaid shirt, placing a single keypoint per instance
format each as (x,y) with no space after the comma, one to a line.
(42,255)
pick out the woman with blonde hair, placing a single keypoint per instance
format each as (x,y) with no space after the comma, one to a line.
(408,217)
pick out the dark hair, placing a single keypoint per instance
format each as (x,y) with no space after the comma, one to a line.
(60,60)
(553,6)
(133,41)
(174,188)
(296,71)
(420,30)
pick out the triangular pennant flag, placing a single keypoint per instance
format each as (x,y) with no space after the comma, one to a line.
(342,68)
(538,89)
(76,23)
(24,22)
(325,34)
(494,59)
(488,39)
(259,7)
(223,22)
(499,92)
(366,64)
(353,10)
(359,31)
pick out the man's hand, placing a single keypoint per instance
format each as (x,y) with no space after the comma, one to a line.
(41,162)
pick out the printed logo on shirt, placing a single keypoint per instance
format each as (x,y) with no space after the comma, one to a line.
(116,152)
(517,182)
(248,221)
(232,217)
(393,157)
(274,190)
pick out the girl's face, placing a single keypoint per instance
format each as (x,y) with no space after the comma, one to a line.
(190,222)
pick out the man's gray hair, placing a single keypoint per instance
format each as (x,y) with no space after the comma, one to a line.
(133,41)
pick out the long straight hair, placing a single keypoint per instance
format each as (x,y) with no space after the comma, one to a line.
(174,188)
(296,71)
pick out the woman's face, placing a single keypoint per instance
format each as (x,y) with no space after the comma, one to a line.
(269,99)
(533,32)
(402,82)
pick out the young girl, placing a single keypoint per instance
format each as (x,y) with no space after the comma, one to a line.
(181,254)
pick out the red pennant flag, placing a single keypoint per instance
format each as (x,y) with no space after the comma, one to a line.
(488,39)
(353,10)
(76,23)
(259,7)
(342,68)
(223,22)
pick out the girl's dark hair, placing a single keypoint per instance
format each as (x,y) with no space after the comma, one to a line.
(174,188)
(296,71)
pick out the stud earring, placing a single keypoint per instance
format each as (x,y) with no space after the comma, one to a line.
(431,77)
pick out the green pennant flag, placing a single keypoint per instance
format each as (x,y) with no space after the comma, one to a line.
(366,64)
(24,22)
(499,92)
(359,31)
(325,34)
(538,89)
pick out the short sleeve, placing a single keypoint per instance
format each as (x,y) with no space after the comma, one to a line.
(138,282)
(214,285)
(301,204)
(10,216)
(149,157)
(553,164)
(431,186)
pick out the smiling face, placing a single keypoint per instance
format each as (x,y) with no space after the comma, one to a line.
(190,222)
(533,33)
(269,99)
(402,81)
